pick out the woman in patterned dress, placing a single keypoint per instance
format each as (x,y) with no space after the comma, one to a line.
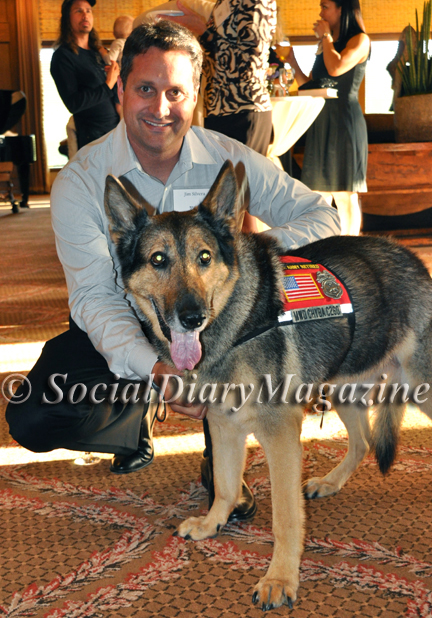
(236,42)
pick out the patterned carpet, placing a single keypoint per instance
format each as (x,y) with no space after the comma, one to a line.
(33,294)
(78,541)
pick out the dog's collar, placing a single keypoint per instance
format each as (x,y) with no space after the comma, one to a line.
(311,292)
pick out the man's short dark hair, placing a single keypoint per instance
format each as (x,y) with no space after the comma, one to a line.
(164,35)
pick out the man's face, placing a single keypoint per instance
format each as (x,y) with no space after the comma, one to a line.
(81,17)
(158,102)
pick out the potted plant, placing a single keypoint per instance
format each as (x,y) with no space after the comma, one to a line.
(413,106)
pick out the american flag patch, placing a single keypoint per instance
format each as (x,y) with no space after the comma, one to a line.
(301,287)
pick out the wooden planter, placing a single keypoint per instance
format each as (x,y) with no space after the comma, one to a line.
(413,118)
(399,183)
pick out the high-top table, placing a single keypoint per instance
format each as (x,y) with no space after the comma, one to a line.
(292,116)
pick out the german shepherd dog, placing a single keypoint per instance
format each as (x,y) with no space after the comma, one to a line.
(207,291)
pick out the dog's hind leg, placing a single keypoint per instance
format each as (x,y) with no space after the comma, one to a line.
(228,442)
(356,420)
(283,450)
(426,406)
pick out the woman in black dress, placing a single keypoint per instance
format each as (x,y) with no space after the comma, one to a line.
(335,157)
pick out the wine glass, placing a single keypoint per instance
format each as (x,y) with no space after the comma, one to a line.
(271,70)
(282,48)
(287,77)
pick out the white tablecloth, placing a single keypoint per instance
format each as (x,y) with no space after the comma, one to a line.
(292,116)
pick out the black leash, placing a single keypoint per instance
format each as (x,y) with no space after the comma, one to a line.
(256,332)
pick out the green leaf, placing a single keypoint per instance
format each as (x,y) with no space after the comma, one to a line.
(417,75)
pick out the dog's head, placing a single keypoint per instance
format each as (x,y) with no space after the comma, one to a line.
(181,267)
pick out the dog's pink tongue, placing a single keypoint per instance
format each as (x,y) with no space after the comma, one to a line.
(185,349)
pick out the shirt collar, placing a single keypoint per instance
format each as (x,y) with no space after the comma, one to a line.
(195,149)
(124,158)
(193,152)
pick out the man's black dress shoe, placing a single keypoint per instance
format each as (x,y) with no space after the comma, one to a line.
(245,508)
(143,456)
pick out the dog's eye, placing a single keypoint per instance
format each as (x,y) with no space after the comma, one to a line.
(205,257)
(158,259)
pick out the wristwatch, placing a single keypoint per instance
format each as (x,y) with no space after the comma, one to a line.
(328,36)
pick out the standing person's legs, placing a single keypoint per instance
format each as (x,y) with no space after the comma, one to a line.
(254,129)
(349,210)
(259,133)
(246,507)
(76,402)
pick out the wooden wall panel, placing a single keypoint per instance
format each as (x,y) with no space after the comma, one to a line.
(5,73)
(9,73)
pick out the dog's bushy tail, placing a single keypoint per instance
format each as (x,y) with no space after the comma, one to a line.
(385,434)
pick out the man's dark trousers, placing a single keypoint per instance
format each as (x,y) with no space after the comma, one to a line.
(104,427)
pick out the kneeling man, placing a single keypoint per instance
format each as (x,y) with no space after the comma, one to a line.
(157,154)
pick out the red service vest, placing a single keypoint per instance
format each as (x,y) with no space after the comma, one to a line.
(311,292)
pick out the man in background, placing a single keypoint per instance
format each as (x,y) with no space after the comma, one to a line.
(86,87)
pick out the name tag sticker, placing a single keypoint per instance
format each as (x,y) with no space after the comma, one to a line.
(186,199)
(221,12)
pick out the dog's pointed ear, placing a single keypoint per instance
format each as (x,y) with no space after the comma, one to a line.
(226,198)
(121,208)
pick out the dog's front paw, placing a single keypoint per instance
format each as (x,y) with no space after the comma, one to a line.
(197,529)
(271,593)
(319,488)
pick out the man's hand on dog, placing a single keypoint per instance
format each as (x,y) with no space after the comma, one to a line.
(196,411)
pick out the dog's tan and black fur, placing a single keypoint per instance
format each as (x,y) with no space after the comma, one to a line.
(196,271)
